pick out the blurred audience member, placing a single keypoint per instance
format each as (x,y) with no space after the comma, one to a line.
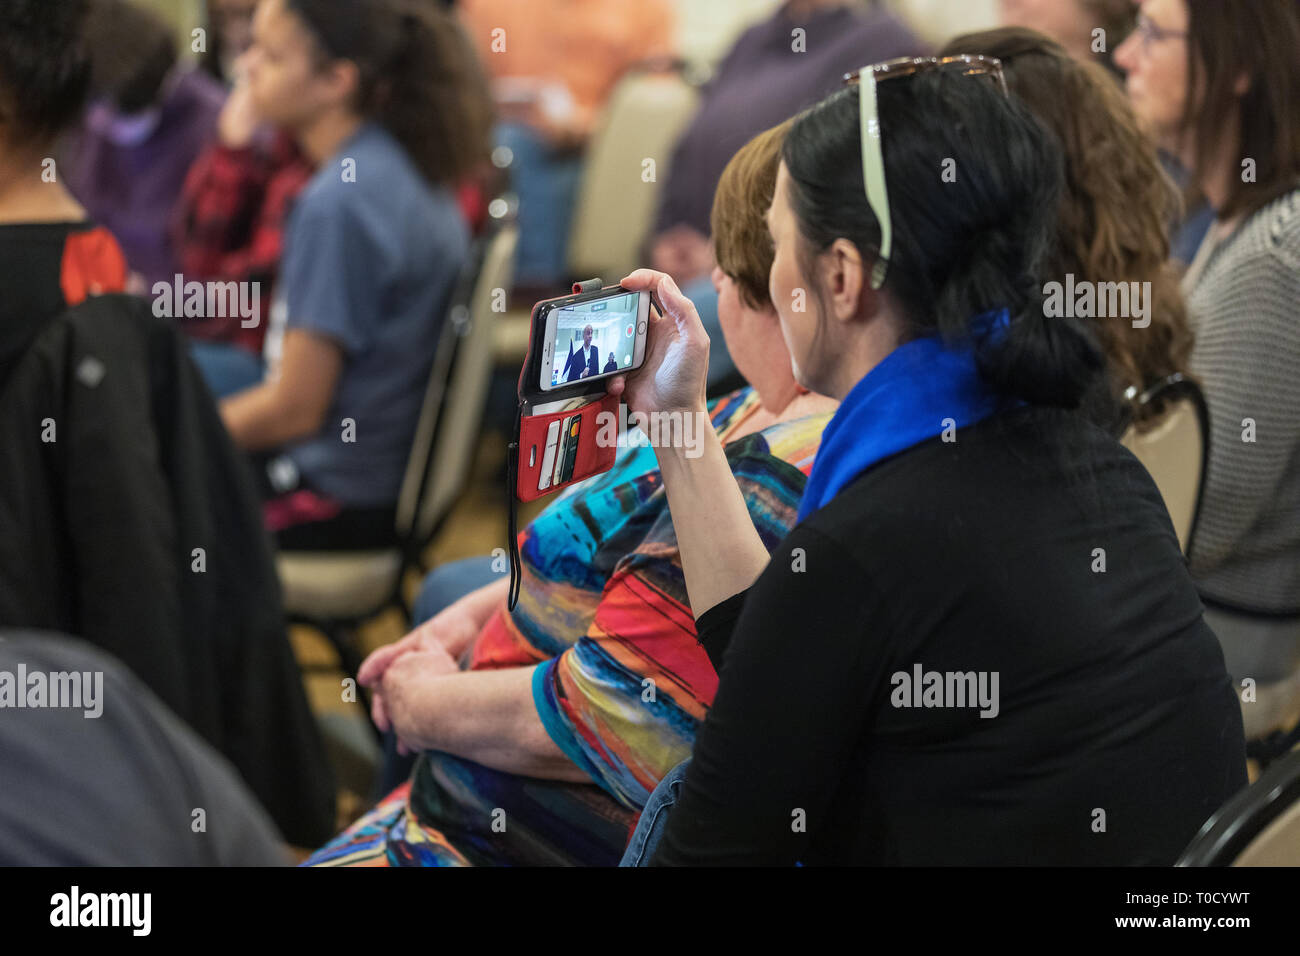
(53,255)
(231,221)
(230,34)
(1217,85)
(550,719)
(148,119)
(1115,212)
(1072,23)
(90,514)
(937,21)
(1089,30)
(115,780)
(230,227)
(776,68)
(386,101)
(554,65)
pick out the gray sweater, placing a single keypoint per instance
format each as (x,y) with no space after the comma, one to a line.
(1243,295)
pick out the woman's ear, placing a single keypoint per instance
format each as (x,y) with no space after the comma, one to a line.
(344,81)
(844,276)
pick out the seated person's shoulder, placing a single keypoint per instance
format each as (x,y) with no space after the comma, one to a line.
(1284,232)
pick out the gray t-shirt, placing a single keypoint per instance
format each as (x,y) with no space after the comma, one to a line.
(371,255)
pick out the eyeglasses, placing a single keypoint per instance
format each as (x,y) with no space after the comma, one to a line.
(1149,33)
(873,159)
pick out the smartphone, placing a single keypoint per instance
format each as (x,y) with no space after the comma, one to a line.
(593,339)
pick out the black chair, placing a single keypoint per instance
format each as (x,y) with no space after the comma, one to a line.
(1260,826)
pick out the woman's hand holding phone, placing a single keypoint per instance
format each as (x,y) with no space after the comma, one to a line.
(674,376)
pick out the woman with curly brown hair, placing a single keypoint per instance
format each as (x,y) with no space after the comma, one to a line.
(1114,214)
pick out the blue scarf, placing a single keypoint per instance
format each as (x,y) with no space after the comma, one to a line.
(902,402)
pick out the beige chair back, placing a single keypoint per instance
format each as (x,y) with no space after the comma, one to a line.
(1277,845)
(616,206)
(1173,452)
(456,396)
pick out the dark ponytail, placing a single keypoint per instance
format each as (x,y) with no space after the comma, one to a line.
(419,77)
(974,184)
(44,69)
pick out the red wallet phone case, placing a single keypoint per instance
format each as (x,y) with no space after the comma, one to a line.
(579,439)
(556,448)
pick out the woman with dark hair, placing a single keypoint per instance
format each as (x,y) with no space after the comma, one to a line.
(979,644)
(53,255)
(387,103)
(1114,217)
(1217,85)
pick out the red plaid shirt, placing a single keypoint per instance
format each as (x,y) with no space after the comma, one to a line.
(231,224)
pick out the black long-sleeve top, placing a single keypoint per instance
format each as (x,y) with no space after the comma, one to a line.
(1117,732)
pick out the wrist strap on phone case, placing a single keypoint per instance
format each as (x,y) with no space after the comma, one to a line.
(512,509)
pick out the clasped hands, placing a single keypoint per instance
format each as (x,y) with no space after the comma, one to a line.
(402,676)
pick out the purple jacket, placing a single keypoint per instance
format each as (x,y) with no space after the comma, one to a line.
(133,189)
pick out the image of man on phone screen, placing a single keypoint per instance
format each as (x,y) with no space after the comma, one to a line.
(583,361)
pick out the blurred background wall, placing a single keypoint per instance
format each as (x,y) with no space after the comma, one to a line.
(706,28)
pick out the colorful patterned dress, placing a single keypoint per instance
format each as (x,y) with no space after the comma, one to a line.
(619,681)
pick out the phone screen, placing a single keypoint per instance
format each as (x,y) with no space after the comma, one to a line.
(593,339)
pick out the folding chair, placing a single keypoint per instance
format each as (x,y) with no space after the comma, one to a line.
(334,591)
(1260,826)
(1176,451)
(616,204)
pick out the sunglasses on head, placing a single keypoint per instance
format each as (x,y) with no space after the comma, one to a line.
(873,159)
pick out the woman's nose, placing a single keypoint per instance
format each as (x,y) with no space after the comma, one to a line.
(1124,53)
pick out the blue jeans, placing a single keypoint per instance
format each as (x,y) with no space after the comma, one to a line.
(547,185)
(654,818)
(442,587)
(226,368)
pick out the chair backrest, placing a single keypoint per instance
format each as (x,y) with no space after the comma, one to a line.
(616,205)
(1260,826)
(447,435)
(1175,450)
(1278,844)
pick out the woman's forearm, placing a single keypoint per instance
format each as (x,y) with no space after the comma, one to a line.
(258,419)
(488,717)
(721,551)
(480,604)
